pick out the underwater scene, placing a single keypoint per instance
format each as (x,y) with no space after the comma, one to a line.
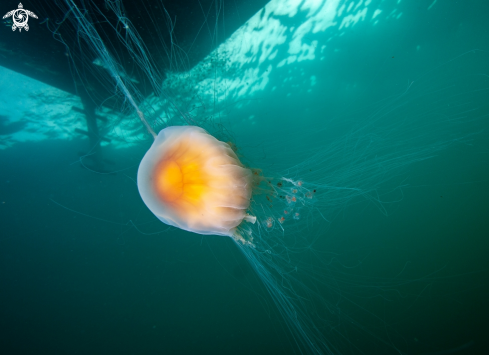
(244,177)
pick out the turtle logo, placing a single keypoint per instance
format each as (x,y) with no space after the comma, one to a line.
(20,18)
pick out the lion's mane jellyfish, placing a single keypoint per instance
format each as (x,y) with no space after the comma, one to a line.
(193,181)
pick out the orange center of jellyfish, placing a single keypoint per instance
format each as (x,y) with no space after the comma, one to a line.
(177,180)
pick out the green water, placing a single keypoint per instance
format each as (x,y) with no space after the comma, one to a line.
(399,268)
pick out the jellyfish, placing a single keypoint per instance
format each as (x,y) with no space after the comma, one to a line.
(192,181)
(275,189)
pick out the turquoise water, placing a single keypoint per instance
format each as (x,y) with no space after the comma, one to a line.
(381,106)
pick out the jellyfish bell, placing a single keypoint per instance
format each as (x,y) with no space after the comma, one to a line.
(192,181)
